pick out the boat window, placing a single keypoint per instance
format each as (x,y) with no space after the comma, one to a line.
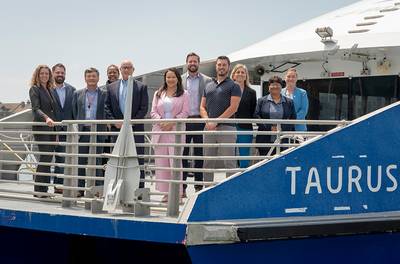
(372,93)
(328,98)
(347,98)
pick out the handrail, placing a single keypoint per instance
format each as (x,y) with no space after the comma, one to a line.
(71,177)
(188,120)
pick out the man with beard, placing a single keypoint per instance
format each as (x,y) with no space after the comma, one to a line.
(220,99)
(194,82)
(63,93)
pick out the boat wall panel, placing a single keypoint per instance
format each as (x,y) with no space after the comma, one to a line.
(366,154)
(95,226)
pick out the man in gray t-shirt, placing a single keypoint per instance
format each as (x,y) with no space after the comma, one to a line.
(220,99)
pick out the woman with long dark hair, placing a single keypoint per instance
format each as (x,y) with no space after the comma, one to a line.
(44,108)
(169,102)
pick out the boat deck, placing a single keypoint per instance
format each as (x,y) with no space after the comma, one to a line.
(52,205)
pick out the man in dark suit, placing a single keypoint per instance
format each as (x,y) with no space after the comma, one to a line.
(194,82)
(63,94)
(90,104)
(116,95)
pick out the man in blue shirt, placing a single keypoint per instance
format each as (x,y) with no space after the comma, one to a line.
(90,104)
(116,96)
(194,83)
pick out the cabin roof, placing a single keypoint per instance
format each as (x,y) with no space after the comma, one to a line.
(302,38)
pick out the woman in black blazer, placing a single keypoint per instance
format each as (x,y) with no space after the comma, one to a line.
(246,108)
(273,106)
(44,108)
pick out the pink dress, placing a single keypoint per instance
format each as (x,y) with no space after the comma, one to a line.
(162,108)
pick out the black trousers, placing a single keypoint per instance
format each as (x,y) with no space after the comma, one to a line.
(197,151)
(84,160)
(44,158)
(58,159)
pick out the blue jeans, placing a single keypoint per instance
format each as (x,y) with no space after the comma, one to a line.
(244,151)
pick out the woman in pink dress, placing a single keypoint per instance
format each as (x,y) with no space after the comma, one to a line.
(170,101)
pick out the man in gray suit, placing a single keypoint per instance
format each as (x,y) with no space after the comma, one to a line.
(63,94)
(194,82)
(90,104)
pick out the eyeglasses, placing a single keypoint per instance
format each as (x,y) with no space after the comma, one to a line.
(126,67)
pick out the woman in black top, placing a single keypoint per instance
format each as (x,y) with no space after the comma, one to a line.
(247,105)
(44,110)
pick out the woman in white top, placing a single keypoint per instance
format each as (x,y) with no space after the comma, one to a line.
(169,102)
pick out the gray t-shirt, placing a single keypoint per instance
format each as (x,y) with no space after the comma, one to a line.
(218,96)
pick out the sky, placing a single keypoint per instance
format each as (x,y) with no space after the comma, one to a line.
(153,34)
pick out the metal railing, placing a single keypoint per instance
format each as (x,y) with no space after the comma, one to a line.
(19,156)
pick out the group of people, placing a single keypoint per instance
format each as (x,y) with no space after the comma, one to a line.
(190,95)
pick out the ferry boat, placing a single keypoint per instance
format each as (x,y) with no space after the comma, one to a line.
(331,198)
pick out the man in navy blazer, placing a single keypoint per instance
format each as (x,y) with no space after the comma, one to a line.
(116,95)
(63,94)
(90,104)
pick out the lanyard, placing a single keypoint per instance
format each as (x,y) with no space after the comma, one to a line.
(90,99)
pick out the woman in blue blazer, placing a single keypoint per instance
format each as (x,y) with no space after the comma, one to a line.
(273,106)
(299,97)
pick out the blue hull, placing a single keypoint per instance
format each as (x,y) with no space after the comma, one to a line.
(371,248)
(28,246)
(31,246)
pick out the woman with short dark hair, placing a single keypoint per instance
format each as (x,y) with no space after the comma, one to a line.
(273,106)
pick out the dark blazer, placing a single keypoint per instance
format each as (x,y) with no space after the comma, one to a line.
(262,112)
(78,108)
(247,107)
(204,80)
(43,106)
(140,102)
(65,113)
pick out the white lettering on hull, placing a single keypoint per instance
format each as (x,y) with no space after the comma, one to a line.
(295,210)
(358,179)
(313,173)
(341,208)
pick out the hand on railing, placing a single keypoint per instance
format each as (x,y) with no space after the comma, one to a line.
(49,122)
(211,126)
(167,126)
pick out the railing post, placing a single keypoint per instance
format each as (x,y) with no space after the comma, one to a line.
(278,138)
(91,172)
(173,194)
(71,148)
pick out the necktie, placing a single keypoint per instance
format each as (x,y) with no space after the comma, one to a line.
(123,96)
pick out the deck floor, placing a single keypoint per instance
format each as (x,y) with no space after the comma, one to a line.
(25,202)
